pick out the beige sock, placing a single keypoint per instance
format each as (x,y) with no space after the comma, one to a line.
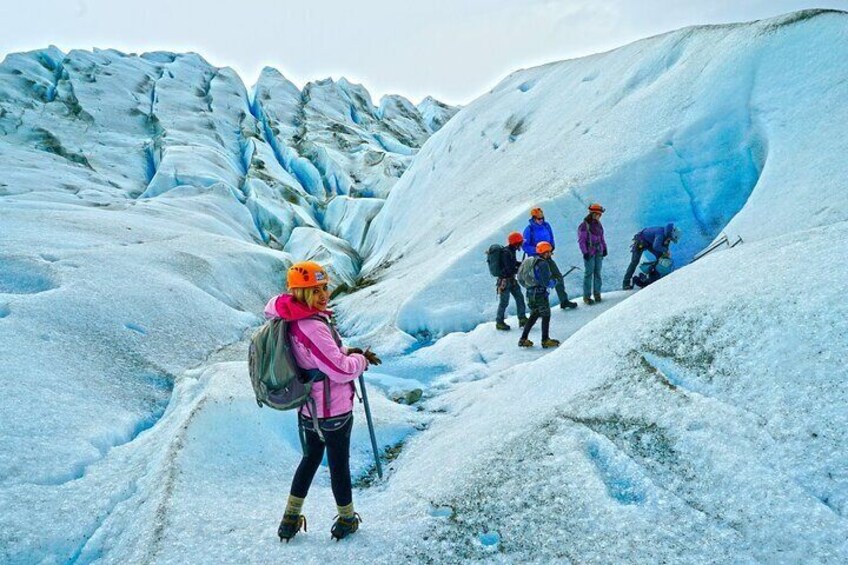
(346,511)
(294,505)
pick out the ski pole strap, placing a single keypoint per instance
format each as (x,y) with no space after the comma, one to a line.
(313,410)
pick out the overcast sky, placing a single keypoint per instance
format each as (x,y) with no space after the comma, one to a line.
(454,50)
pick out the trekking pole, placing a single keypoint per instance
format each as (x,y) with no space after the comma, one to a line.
(370,426)
(569,271)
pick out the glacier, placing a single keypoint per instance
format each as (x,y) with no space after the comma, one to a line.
(147,205)
(706,127)
(150,204)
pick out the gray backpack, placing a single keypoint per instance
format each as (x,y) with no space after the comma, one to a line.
(277,380)
(527,273)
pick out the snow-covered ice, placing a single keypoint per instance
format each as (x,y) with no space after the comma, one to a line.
(150,205)
(720,128)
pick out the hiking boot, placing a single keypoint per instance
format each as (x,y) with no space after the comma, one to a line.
(548,343)
(627,287)
(597,297)
(525,343)
(568,304)
(290,525)
(522,322)
(345,526)
(502,326)
(587,300)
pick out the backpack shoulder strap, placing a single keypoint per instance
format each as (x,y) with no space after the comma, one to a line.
(326,398)
(336,337)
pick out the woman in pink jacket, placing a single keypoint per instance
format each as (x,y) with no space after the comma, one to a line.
(318,349)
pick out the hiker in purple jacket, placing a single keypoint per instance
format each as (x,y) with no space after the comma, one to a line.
(590,236)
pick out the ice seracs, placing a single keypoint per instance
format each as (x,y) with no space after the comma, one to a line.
(146,201)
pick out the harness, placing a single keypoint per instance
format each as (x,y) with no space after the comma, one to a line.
(638,242)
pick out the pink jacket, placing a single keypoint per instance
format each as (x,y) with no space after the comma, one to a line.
(314,347)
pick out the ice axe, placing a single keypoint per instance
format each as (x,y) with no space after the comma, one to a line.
(712,247)
(569,271)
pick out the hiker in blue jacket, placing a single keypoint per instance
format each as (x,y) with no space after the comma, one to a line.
(537,231)
(656,240)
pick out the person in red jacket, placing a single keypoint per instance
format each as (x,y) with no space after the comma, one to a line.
(317,346)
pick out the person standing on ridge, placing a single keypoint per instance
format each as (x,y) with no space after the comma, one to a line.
(537,231)
(536,275)
(317,349)
(657,241)
(507,285)
(590,236)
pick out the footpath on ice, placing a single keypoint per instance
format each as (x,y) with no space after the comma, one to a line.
(163,493)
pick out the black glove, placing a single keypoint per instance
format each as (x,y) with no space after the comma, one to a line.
(352,350)
(586,256)
(605,253)
(371,357)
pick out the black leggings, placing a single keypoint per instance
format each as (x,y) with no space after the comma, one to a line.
(338,457)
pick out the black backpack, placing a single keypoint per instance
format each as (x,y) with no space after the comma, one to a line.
(493,259)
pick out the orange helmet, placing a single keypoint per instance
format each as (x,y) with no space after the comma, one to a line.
(306,274)
(515,238)
(537,213)
(597,208)
(543,247)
